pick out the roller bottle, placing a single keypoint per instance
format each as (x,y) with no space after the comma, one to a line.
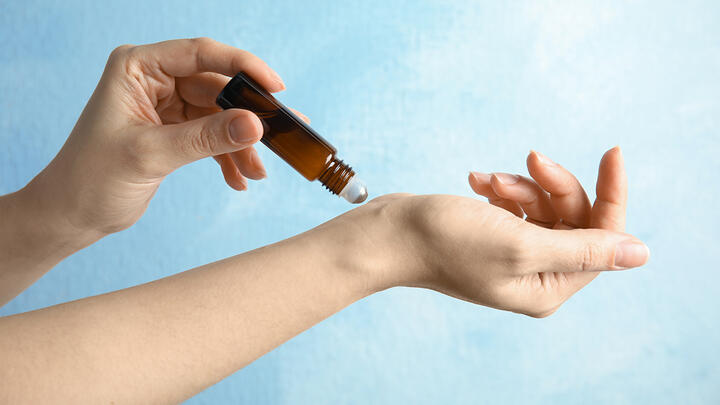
(292,139)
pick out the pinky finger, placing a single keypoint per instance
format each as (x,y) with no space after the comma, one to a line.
(480,183)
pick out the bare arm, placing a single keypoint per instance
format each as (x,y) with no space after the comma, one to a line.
(152,112)
(167,340)
(32,242)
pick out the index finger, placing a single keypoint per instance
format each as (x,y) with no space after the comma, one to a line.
(184,57)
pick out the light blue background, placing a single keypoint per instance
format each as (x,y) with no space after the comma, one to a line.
(414,94)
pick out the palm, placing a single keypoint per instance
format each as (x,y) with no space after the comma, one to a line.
(554,199)
(139,92)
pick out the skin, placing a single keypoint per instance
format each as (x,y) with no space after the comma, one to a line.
(151,113)
(167,340)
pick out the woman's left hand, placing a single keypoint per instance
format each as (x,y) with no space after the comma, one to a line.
(486,253)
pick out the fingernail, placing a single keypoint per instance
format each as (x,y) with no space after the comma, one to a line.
(506,178)
(544,159)
(276,78)
(631,253)
(244,131)
(480,177)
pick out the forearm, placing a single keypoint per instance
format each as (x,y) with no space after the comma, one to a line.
(33,239)
(169,339)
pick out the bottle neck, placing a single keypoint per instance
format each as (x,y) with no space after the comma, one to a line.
(336,175)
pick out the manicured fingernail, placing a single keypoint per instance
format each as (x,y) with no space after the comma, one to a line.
(631,253)
(480,177)
(243,130)
(506,178)
(544,159)
(276,78)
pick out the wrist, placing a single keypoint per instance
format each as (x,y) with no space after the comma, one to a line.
(362,244)
(32,241)
(42,230)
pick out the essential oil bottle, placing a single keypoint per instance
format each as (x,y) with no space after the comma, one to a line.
(292,139)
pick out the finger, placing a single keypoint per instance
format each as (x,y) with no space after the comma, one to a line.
(193,112)
(223,132)
(532,199)
(248,162)
(201,89)
(185,57)
(480,183)
(219,159)
(608,212)
(585,250)
(249,168)
(567,196)
(232,175)
(301,115)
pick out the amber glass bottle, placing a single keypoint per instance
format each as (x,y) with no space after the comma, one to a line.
(292,139)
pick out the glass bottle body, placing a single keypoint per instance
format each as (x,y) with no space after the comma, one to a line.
(289,136)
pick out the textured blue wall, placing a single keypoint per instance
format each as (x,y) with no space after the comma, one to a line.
(414,94)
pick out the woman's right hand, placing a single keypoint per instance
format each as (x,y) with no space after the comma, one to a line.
(487,253)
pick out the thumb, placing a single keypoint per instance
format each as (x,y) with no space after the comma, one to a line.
(223,132)
(590,250)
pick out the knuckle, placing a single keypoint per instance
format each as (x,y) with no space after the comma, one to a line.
(120,54)
(120,51)
(205,141)
(590,257)
(567,184)
(199,45)
(202,41)
(124,58)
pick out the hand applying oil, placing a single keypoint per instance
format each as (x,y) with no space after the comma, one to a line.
(292,139)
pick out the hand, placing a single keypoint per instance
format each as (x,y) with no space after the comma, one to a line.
(486,253)
(152,112)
